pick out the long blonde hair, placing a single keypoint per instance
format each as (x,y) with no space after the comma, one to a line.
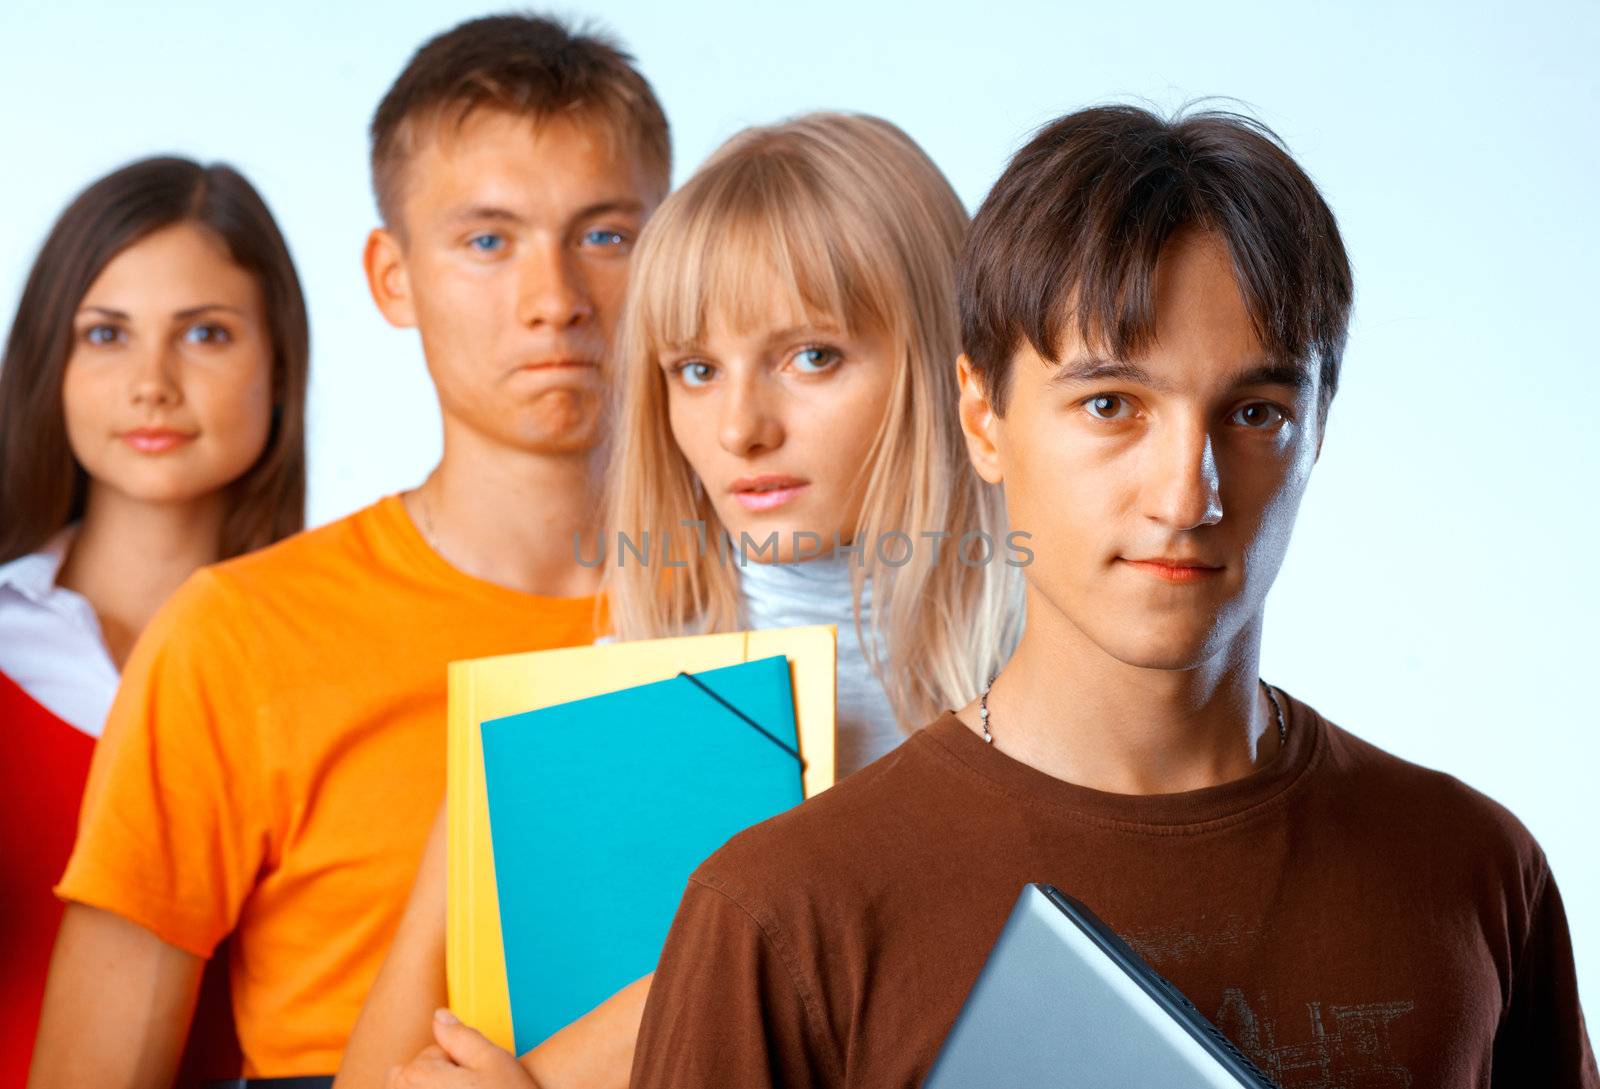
(851,217)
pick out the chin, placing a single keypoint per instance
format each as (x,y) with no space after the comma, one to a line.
(1163,645)
(581,443)
(544,436)
(557,412)
(741,522)
(760,531)
(165,490)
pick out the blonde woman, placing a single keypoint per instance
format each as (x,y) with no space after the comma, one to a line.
(788,381)
(787,451)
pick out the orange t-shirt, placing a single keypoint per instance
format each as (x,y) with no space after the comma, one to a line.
(275,757)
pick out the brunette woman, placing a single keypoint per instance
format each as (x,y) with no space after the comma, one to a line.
(151,421)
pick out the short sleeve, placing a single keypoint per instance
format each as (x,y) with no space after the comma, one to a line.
(173,830)
(726,1006)
(1543,1039)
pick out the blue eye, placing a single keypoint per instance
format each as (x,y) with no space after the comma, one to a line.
(486,243)
(1107,406)
(815,360)
(605,239)
(1258,416)
(102,334)
(206,333)
(694,373)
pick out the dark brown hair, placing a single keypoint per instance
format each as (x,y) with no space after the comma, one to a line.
(524,64)
(42,486)
(1073,229)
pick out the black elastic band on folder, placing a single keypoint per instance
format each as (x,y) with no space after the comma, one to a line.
(752,723)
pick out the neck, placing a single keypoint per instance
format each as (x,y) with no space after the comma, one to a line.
(508,516)
(1067,708)
(129,556)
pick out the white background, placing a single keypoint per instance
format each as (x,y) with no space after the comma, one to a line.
(1440,599)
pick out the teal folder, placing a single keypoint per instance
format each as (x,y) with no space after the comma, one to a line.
(599,810)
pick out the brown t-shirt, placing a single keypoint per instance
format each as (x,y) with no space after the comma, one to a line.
(1347,918)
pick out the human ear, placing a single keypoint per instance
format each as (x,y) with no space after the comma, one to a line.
(385,263)
(979,422)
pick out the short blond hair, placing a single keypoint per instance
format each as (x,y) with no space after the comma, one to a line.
(529,65)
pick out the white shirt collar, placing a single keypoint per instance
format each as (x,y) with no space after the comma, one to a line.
(34,575)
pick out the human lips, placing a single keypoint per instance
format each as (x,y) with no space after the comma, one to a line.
(1175,569)
(156,440)
(764,493)
(557,364)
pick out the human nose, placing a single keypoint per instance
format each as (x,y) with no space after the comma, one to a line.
(746,426)
(552,291)
(1184,489)
(154,380)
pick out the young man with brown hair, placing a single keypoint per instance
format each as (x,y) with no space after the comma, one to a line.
(276,752)
(1153,317)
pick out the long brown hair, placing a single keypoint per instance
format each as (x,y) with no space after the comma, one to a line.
(42,486)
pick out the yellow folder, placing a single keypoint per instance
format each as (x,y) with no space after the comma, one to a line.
(487,688)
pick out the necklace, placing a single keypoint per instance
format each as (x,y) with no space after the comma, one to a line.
(1272,697)
(424,508)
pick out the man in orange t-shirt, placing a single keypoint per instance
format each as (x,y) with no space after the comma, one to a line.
(275,754)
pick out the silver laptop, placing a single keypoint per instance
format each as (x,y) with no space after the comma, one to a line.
(1062,1001)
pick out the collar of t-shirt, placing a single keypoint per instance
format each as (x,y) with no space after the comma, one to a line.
(1160,814)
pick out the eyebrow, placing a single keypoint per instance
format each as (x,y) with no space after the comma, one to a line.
(1081,370)
(626,205)
(106,310)
(777,337)
(496,214)
(1277,372)
(182,315)
(795,331)
(1093,368)
(481,212)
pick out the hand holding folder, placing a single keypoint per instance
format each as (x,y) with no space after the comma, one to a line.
(601,808)
(506,688)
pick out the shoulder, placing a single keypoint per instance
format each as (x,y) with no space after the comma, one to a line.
(352,542)
(295,568)
(1374,774)
(1396,799)
(224,609)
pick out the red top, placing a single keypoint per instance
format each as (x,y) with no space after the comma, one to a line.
(41,779)
(45,764)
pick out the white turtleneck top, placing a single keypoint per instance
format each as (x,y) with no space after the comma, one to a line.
(817,591)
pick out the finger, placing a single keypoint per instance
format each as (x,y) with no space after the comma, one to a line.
(431,1069)
(466,1045)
